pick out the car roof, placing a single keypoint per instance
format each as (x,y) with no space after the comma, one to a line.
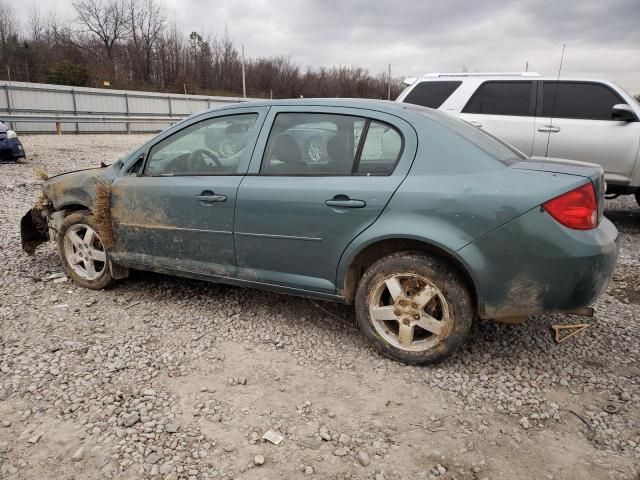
(386,106)
(505,76)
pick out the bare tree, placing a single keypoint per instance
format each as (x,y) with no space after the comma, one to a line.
(37,25)
(106,19)
(147,21)
(8,23)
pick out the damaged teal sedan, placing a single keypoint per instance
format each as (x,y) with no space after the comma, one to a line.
(423,222)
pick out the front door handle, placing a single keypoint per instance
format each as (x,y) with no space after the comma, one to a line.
(548,128)
(475,124)
(343,201)
(209,197)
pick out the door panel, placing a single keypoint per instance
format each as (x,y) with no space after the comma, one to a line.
(286,234)
(173,215)
(581,128)
(290,230)
(162,221)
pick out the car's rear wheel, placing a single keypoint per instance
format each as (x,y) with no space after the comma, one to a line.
(83,256)
(415,308)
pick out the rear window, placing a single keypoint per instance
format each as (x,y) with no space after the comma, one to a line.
(589,101)
(502,98)
(431,94)
(495,147)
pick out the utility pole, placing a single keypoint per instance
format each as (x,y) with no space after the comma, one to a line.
(389,84)
(526,66)
(244,85)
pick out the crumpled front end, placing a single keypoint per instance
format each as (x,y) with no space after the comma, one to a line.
(34,228)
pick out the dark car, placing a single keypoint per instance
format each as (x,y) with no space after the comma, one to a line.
(10,147)
(422,221)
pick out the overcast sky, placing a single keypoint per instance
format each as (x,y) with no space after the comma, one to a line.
(419,36)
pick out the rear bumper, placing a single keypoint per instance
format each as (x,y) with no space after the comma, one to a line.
(11,149)
(534,265)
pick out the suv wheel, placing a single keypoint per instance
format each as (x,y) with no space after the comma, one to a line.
(415,308)
(83,256)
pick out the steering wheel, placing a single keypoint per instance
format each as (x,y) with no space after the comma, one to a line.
(198,155)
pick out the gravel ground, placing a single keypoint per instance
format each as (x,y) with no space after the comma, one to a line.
(170,378)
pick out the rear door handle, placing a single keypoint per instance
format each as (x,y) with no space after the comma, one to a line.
(343,201)
(548,128)
(209,197)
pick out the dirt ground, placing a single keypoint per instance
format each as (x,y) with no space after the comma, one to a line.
(168,378)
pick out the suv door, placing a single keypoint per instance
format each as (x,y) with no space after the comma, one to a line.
(505,109)
(296,213)
(575,122)
(174,207)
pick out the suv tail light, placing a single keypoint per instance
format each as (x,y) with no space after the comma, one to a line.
(577,209)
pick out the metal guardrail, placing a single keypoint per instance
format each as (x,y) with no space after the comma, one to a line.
(12,117)
(75,119)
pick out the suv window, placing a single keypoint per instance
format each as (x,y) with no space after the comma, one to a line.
(592,101)
(211,147)
(431,94)
(502,98)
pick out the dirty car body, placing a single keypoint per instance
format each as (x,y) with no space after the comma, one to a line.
(11,149)
(422,221)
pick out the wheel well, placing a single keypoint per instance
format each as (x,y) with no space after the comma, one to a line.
(372,253)
(72,208)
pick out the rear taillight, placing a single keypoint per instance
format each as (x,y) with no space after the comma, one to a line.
(576,209)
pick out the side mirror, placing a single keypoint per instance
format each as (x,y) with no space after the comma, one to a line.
(624,113)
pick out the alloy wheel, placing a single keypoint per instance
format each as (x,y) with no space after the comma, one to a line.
(84,252)
(409,312)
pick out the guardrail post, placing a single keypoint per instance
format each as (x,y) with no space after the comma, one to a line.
(170,109)
(126,102)
(59,128)
(75,109)
(6,92)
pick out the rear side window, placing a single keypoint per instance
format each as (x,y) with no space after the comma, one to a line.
(502,98)
(381,150)
(590,101)
(325,144)
(431,94)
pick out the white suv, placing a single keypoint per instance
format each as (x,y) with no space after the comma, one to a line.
(578,119)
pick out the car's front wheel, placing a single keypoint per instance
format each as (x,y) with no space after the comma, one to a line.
(83,256)
(414,308)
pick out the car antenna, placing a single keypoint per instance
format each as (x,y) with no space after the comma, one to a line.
(555,97)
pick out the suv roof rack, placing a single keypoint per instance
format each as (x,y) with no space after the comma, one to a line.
(483,74)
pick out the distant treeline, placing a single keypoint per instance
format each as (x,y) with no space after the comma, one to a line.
(132,45)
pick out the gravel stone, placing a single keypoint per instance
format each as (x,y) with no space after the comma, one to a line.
(363,458)
(258,460)
(78,455)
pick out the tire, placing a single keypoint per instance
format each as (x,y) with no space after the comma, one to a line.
(638,197)
(315,150)
(401,294)
(81,252)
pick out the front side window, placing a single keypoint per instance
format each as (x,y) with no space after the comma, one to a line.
(590,101)
(323,144)
(502,98)
(431,94)
(211,147)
